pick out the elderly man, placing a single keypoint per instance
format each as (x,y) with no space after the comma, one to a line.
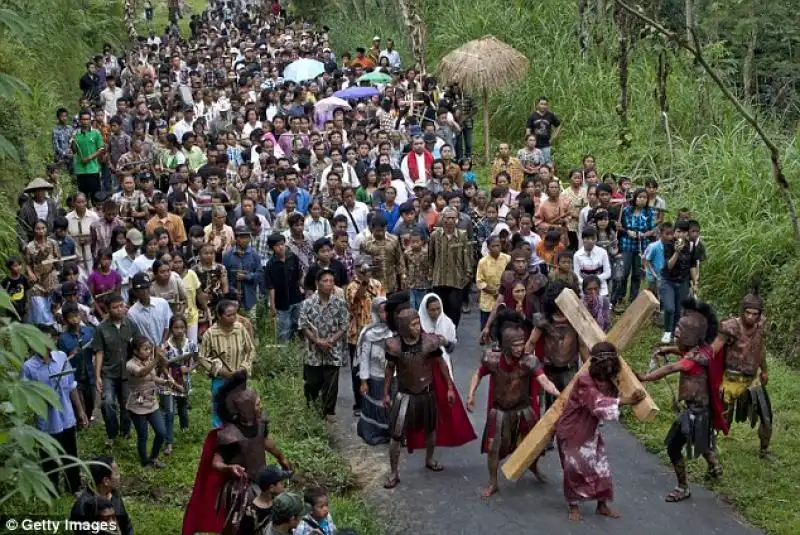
(450,256)
(37,206)
(416,165)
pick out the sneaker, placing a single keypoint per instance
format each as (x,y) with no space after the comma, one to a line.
(667,338)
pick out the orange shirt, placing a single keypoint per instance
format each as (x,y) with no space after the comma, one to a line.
(550,210)
(172,223)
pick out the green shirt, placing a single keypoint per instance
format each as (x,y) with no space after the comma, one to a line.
(87,143)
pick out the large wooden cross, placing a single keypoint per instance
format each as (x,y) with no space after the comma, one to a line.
(621,335)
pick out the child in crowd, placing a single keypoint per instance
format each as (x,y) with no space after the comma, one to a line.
(419,268)
(258,513)
(17,285)
(563,271)
(466,171)
(66,245)
(181,360)
(319,520)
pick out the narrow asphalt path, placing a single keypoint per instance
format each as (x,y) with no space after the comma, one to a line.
(449,502)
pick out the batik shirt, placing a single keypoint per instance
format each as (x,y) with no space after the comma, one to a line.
(324,320)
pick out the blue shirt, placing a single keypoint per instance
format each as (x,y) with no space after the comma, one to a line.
(83,361)
(302,199)
(391,216)
(655,255)
(641,221)
(248,262)
(36,369)
(66,246)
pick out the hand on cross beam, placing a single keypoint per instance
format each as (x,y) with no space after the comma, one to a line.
(621,335)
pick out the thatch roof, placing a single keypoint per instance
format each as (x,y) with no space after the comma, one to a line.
(485,63)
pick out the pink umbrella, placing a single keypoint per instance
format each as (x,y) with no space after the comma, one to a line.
(323,110)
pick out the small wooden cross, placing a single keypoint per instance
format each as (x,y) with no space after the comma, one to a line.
(621,335)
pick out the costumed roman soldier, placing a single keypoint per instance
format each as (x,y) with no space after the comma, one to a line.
(700,379)
(740,343)
(231,459)
(562,348)
(513,403)
(426,411)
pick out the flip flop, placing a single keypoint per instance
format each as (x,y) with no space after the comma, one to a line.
(434,466)
(678,494)
(392,482)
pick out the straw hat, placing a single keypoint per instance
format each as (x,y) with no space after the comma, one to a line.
(38,183)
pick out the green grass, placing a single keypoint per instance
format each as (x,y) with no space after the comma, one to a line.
(768,495)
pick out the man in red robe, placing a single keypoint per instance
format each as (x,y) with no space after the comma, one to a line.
(698,392)
(593,398)
(514,381)
(426,399)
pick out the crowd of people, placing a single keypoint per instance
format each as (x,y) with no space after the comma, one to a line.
(246,169)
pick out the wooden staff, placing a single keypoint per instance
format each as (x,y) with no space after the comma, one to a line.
(57,260)
(81,235)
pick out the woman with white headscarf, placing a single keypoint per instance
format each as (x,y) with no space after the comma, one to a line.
(373,422)
(434,321)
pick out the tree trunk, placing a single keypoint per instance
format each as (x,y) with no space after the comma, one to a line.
(624,140)
(689,12)
(662,78)
(747,66)
(486,126)
(417,31)
(583,33)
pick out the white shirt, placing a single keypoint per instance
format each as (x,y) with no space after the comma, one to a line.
(349,177)
(123,263)
(265,226)
(78,226)
(423,172)
(109,98)
(402,192)
(359,213)
(42,209)
(597,258)
(181,128)
(393,56)
(533,240)
(142,264)
(583,218)
(317,229)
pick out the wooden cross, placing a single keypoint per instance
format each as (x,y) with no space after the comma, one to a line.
(621,335)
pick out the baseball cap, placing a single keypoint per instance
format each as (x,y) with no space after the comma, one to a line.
(376,38)
(420,184)
(135,237)
(140,281)
(287,505)
(69,288)
(242,230)
(271,475)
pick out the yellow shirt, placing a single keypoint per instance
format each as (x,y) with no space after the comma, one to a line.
(487,279)
(192,284)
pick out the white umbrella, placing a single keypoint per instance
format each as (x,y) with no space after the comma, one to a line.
(331,103)
(303,69)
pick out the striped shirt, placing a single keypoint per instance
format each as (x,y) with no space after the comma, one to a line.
(230,349)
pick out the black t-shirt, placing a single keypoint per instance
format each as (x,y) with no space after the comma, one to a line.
(541,125)
(680,272)
(254,520)
(339,275)
(18,291)
(284,278)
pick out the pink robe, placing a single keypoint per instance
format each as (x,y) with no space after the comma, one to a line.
(587,473)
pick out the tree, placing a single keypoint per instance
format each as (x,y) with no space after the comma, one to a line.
(21,443)
(11,86)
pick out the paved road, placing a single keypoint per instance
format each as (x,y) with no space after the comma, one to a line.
(449,503)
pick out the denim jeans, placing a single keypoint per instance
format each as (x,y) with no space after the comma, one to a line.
(464,144)
(140,422)
(115,395)
(631,267)
(546,156)
(169,403)
(287,322)
(671,294)
(416,297)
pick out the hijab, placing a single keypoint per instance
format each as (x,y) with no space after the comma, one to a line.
(443,325)
(377,330)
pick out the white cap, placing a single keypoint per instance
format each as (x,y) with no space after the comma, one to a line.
(420,184)
(376,38)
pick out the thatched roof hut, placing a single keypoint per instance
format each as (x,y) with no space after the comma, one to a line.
(483,65)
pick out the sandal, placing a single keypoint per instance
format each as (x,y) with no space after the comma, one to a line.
(715,472)
(391,482)
(678,494)
(434,466)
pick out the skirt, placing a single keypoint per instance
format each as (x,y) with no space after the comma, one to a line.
(373,424)
(412,412)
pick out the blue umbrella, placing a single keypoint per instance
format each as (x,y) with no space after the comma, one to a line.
(357,92)
(303,69)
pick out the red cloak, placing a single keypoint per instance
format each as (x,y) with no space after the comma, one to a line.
(201,515)
(716,371)
(453,427)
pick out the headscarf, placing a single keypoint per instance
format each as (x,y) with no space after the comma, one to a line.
(498,228)
(377,330)
(443,325)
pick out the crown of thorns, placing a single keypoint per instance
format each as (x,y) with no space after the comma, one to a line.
(605,355)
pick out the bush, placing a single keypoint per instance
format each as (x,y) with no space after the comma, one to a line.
(782,306)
